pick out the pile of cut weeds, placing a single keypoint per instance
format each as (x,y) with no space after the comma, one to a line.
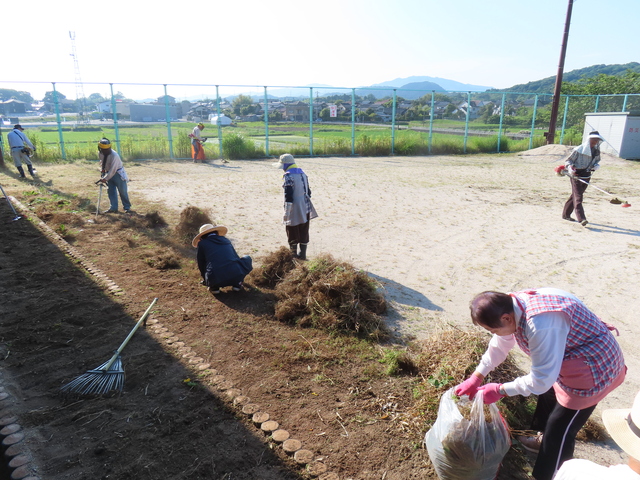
(325,293)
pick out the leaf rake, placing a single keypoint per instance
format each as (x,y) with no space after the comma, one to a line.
(108,376)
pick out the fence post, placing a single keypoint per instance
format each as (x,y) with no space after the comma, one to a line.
(501,119)
(353,121)
(624,104)
(218,122)
(595,110)
(266,122)
(533,121)
(393,123)
(168,119)
(564,118)
(56,103)
(310,121)
(115,119)
(433,98)
(466,122)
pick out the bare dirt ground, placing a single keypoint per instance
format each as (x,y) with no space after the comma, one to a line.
(433,230)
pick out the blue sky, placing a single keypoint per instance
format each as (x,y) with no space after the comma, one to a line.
(343,43)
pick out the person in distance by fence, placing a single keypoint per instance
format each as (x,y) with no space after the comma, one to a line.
(298,209)
(197,152)
(114,175)
(575,362)
(21,150)
(583,160)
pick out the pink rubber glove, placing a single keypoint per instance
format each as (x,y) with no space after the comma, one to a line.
(491,392)
(468,387)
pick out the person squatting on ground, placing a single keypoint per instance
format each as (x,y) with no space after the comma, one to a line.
(583,160)
(623,425)
(197,152)
(114,175)
(218,262)
(298,209)
(21,149)
(575,363)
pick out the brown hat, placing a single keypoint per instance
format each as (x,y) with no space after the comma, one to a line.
(209,228)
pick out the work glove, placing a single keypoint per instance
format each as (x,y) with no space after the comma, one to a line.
(593,169)
(468,387)
(286,218)
(571,170)
(491,392)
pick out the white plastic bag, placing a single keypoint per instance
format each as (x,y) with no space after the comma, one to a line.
(462,449)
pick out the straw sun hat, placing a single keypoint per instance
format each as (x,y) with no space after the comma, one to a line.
(208,228)
(624,427)
(286,158)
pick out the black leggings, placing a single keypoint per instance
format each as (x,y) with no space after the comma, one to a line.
(560,426)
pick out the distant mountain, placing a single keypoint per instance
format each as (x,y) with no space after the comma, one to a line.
(410,91)
(446,84)
(546,85)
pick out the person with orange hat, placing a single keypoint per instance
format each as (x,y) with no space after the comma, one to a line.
(624,427)
(218,262)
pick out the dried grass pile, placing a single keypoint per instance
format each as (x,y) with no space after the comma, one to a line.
(273,269)
(331,295)
(191,219)
(154,219)
(163,259)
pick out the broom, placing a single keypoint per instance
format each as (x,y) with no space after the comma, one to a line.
(108,376)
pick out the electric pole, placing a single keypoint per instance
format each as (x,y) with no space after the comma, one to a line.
(556,91)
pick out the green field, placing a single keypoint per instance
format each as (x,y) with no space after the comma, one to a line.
(249,140)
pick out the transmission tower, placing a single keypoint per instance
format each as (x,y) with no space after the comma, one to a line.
(82,115)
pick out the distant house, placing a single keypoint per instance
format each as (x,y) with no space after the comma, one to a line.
(296,112)
(169,99)
(200,111)
(12,106)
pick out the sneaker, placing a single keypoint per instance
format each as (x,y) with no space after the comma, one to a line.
(531,444)
(111,211)
(583,223)
(214,290)
(128,211)
(237,289)
(569,219)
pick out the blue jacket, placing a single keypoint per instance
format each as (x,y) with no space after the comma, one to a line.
(219,264)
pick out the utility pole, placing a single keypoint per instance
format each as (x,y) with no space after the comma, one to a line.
(79,88)
(556,91)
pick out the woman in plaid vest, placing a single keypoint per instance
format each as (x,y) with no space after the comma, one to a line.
(575,363)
